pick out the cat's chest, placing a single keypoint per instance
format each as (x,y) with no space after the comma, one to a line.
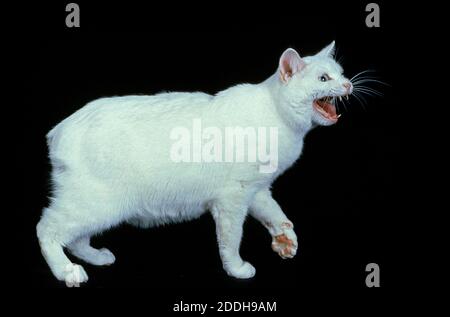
(289,151)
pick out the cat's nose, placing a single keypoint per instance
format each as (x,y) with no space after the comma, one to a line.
(348,87)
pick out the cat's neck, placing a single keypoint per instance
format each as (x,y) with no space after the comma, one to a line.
(296,114)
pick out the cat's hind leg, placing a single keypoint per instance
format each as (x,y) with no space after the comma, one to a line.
(82,249)
(266,210)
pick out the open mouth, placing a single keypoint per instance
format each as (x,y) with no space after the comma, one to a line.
(326,106)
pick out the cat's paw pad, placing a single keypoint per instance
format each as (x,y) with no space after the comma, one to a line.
(74,275)
(246,270)
(285,244)
(105,257)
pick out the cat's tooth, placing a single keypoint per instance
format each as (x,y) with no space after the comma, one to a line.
(340,98)
(339,115)
(346,97)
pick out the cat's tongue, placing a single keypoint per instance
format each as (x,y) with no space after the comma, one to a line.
(326,109)
(329,108)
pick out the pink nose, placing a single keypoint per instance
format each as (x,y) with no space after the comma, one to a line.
(348,86)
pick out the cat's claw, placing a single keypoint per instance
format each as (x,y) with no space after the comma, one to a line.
(285,244)
(246,270)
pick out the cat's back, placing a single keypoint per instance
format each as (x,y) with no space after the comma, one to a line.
(106,115)
(122,107)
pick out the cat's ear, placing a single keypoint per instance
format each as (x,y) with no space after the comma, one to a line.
(328,51)
(290,63)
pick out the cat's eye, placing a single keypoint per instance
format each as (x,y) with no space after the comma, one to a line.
(324,78)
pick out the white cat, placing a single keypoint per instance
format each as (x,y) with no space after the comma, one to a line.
(111,163)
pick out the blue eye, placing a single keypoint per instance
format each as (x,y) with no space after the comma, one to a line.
(324,78)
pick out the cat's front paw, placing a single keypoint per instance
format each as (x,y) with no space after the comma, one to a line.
(246,270)
(74,275)
(285,244)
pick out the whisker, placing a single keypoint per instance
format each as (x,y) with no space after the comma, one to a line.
(368,91)
(360,99)
(365,80)
(344,104)
(363,72)
(358,86)
(363,85)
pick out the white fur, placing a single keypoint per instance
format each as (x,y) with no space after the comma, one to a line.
(111,164)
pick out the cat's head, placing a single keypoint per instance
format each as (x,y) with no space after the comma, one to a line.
(312,84)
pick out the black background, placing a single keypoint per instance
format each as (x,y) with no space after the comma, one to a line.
(339,195)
